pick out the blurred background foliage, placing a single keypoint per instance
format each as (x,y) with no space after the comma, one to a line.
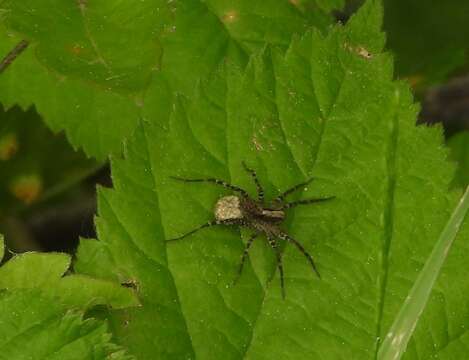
(44,186)
(47,189)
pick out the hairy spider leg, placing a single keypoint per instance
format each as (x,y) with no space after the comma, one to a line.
(276,248)
(209,224)
(282,196)
(214,181)
(260,190)
(300,247)
(305,202)
(244,256)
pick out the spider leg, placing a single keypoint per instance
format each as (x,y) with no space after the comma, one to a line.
(214,181)
(210,223)
(300,247)
(244,256)
(282,196)
(305,202)
(274,246)
(260,190)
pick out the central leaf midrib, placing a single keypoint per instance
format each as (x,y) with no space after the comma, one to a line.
(388,219)
(315,158)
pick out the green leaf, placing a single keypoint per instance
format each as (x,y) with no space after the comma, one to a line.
(44,310)
(89,64)
(429,41)
(36,327)
(44,271)
(105,43)
(232,30)
(459,145)
(94,118)
(327,108)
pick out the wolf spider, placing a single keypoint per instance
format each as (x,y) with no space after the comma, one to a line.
(244,211)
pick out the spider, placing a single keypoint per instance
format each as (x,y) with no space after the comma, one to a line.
(244,211)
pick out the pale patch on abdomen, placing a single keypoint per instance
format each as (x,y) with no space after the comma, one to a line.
(228,208)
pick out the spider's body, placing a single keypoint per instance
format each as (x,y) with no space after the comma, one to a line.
(244,208)
(244,211)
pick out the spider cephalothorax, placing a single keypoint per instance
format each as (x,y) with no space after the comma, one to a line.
(244,211)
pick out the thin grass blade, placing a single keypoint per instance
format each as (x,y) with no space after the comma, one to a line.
(395,342)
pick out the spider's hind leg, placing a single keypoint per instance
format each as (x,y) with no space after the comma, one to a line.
(244,256)
(276,248)
(300,247)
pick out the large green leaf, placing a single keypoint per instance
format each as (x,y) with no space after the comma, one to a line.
(90,63)
(327,108)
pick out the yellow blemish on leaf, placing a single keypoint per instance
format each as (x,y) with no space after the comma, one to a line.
(256,143)
(8,146)
(27,188)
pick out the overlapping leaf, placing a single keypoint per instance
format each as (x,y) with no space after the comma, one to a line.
(45,311)
(328,108)
(34,326)
(90,63)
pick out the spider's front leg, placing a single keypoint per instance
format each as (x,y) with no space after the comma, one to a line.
(260,190)
(284,206)
(305,202)
(283,195)
(225,184)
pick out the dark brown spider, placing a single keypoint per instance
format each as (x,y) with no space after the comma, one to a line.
(244,211)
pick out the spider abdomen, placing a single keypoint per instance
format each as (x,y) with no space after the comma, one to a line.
(228,208)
